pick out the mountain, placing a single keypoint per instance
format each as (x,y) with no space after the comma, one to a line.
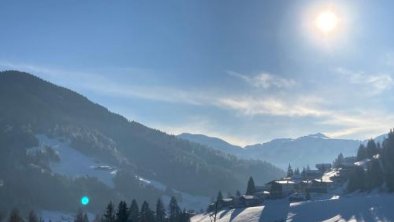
(212,142)
(299,152)
(306,150)
(56,141)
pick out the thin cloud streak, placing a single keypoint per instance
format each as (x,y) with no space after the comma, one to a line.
(265,80)
(374,84)
(346,121)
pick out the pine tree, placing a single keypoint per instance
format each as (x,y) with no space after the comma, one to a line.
(362,153)
(374,174)
(15,216)
(123,213)
(339,161)
(134,212)
(174,210)
(109,215)
(372,148)
(184,217)
(146,214)
(219,200)
(290,172)
(251,189)
(297,172)
(303,173)
(388,160)
(32,217)
(356,180)
(160,211)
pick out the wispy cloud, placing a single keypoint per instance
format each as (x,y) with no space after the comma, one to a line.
(249,104)
(373,84)
(272,106)
(265,80)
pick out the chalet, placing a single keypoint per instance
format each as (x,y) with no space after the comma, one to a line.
(249,201)
(280,188)
(228,202)
(318,186)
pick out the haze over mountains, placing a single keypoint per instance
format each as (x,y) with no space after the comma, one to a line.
(299,152)
(55,141)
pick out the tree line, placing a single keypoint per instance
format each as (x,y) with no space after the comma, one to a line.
(133,213)
(376,168)
(121,213)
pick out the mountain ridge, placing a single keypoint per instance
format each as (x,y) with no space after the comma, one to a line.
(30,106)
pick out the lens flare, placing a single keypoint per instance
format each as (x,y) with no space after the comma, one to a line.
(85,200)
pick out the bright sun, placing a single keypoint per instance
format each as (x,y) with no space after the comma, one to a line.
(327,21)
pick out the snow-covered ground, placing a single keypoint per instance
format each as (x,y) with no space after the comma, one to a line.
(57,216)
(187,201)
(356,207)
(74,163)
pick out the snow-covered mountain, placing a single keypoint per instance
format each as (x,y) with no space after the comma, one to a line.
(299,152)
(56,141)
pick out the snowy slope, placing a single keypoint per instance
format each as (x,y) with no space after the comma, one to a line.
(74,163)
(359,207)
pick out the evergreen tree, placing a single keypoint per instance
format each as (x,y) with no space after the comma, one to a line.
(109,215)
(372,148)
(339,161)
(219,200)
(160,211)
(251,189)
(123,213)
(362,153)
(290,172)
(303,173)
(388,160)
(184,217)
(15,216)
(32,217)
(146,214)
(297,172)
(356,180)
(374,174)
(174,210)
(134,212)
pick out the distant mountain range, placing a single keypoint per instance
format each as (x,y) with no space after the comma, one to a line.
(299,152)
(57,145)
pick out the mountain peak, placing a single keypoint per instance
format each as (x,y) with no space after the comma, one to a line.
(318,136)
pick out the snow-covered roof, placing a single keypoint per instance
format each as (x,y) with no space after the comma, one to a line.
(284,181)
(362,163)
(327,175)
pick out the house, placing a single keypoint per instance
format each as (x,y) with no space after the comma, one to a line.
(249,201)
(228,202)
(318,186)
(280,188)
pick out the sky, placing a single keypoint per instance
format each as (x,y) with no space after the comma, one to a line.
(245,71)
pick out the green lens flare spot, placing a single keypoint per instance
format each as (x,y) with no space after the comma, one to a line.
(85,200)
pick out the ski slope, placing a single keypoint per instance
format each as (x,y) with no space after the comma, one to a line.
(356,207)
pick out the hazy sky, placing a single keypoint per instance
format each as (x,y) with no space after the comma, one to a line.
(246,71)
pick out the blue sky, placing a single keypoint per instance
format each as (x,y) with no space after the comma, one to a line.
(245,71)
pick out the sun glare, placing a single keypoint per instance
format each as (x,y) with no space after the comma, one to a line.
(327,21)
